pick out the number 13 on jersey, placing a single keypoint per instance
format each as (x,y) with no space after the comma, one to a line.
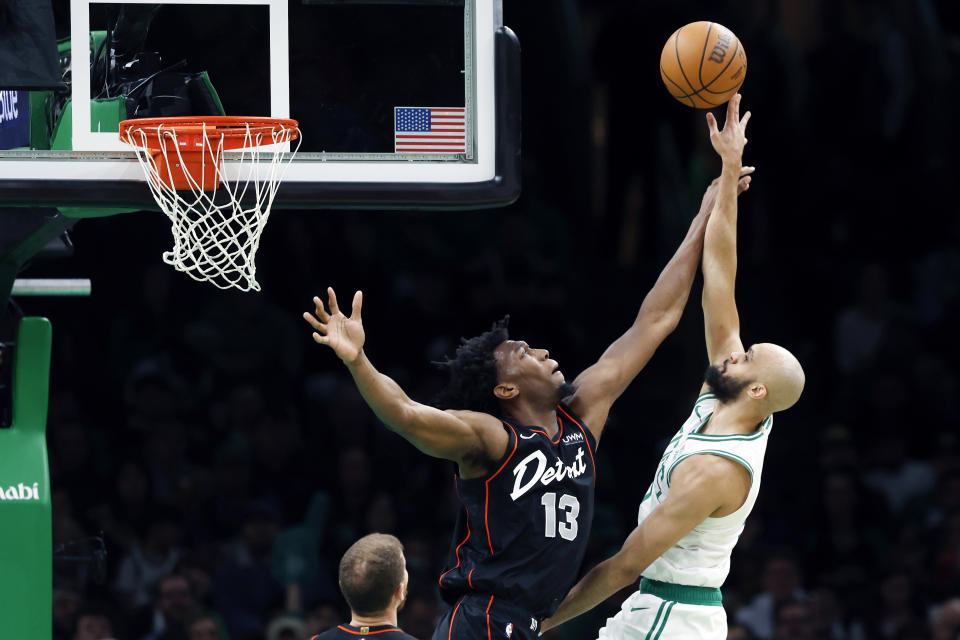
(570,508)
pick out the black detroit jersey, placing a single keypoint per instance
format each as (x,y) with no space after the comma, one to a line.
(350,632)
(523,531)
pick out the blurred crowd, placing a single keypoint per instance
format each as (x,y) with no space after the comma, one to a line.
(227,460)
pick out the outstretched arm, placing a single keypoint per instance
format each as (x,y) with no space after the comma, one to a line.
(701,486)
(465,437)
(721,320)
(603,382)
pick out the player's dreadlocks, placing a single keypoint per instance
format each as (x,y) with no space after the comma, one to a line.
(473,372)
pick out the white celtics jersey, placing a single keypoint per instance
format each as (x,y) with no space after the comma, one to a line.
(702,557)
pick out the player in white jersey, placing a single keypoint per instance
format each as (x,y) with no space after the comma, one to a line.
(709,476)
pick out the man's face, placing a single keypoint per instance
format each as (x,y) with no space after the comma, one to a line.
(93,627)
(729,378)
(530,369)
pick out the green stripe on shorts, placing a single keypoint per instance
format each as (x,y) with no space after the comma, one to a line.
(663,624)
(656,620)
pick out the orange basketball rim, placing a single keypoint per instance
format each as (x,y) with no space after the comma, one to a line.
(188,150)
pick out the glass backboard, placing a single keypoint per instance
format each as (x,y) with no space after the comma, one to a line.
(401,103)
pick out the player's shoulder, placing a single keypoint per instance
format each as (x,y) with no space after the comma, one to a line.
(493,442)
(709,484)
(712,471)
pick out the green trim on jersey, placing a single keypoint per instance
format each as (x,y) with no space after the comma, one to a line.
(648,494)
(712,452)
(709,437)
(702,419)
(701,398)
(696,435)
(682,593)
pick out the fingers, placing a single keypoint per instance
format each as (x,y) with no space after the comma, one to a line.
(319,310)
(357,304)
(313,322)
(319,339)
(733,109)
(712,125)
(745,120)
(332,301)
(744,184)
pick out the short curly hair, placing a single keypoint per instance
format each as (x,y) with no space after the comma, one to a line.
(473,372)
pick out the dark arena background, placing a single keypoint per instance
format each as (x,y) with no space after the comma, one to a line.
(207,436)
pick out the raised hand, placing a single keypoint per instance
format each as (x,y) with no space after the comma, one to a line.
(730,141)
(342,334)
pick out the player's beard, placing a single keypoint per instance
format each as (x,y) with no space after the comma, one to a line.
(565,390)
(724,386)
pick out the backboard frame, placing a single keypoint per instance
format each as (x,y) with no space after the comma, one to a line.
(494,180)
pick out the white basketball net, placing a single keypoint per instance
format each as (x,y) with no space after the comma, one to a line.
(216,232)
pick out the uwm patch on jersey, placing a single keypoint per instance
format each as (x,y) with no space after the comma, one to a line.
(523,530)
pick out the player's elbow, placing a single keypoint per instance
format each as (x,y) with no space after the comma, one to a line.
(627,576)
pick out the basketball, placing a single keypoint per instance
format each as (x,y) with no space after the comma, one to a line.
(703,64)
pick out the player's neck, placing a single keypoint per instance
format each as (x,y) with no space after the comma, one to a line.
(732,418)
(545,418)
(383,618)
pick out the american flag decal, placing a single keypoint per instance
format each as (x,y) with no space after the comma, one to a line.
(429,129)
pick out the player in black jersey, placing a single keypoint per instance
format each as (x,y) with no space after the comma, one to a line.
(524,441)
(373,579)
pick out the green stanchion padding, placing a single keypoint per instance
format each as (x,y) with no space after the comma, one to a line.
(26,539)
(39,135)
(105,115)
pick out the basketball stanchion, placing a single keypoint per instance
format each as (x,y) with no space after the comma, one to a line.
(26,537)
(215,177)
